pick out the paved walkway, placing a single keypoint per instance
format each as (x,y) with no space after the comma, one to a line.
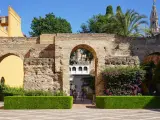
(79,113)
(83,104)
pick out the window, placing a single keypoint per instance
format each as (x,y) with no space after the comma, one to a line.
(85,69)
(80,68)
(74,69)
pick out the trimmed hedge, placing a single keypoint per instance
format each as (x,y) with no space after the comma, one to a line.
(127,102)
(38,102)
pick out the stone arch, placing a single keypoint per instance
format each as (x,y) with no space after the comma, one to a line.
(87,47)
(11,52)
(94,53)
(11,69)
(152,56)
(63,51)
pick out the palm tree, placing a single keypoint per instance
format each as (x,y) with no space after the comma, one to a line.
(127,24)
(148,32)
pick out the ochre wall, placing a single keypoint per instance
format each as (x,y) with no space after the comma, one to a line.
(11,68)
(3,32)
(14,24)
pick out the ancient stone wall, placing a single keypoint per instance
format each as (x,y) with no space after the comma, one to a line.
(46,58)
(122,61)
(40,75)
(39,66)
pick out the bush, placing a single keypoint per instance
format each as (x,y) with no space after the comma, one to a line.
(12,91)
(43,93)
(127,102)
(37,93)
(123,80)
(38,102)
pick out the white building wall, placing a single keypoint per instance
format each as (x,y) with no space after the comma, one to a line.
(79,70)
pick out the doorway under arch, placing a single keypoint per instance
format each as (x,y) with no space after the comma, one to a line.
(84,59)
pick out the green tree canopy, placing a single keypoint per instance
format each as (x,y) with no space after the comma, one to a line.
(118,10)
(109,10)
(94,24)
(125,24)
(128,24)
(49,24)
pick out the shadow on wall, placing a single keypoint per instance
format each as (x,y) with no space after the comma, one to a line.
(48,52)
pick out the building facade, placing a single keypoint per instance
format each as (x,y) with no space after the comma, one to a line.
(10,26)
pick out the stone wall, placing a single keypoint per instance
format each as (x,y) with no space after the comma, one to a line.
(40,75)
(46,58)
(122,61)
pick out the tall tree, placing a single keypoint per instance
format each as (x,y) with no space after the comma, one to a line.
(148,32)
(128,24)
(50,24)
(94,24)
(125,24)
(118,10)
(109,10)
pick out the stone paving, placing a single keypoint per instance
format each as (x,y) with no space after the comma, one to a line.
(79,114)
(87,112)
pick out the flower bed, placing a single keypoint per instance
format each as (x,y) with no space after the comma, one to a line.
(127,102)
(38,102)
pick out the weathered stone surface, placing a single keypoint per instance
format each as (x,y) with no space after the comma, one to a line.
(46,58)
(39,74)
(122,60)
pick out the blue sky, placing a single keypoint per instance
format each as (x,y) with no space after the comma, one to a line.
(75,11)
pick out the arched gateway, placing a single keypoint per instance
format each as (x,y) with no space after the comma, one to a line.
(46,58)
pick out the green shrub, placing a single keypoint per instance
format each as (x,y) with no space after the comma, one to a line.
(127,102)
(12,91)
(38,102)
(123,80)
(60,93)
(44,93)
(37,93)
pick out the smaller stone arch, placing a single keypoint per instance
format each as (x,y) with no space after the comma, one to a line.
(152,57)
(4,54)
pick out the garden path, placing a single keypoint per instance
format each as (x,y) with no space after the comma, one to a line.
(81,113)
